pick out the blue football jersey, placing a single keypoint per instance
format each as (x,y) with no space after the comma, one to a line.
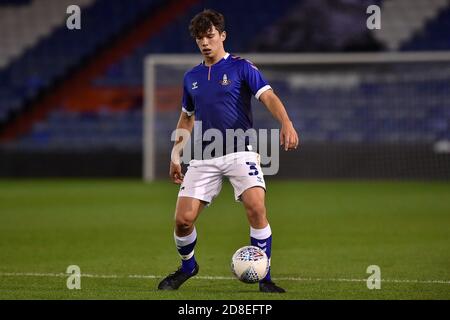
(220,97)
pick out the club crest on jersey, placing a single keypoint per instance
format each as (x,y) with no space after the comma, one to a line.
(194,85)
(225,80)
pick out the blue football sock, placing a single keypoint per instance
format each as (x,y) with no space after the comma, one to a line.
(185,246)
(262,238)
(188,265)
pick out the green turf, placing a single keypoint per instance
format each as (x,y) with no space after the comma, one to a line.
(325,236)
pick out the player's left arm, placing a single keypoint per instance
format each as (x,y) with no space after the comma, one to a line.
(288,135)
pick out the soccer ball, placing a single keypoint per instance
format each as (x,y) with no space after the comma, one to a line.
(250,264)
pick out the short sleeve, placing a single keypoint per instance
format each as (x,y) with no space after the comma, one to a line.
(254,79)
(187,105)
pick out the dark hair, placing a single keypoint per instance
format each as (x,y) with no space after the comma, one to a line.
(204,21)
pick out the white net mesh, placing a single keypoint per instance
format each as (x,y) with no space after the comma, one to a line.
(371,116)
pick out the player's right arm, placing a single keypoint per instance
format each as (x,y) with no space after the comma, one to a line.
(183,131)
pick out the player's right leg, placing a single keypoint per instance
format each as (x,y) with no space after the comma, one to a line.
(201,184)
(187,211)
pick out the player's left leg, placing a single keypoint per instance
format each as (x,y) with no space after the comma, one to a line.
(253,199)
(246,176)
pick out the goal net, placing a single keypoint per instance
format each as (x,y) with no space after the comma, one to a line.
(367,115)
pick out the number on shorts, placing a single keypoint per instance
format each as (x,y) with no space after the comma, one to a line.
(254,170)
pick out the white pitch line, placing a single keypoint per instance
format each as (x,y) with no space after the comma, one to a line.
(136,276)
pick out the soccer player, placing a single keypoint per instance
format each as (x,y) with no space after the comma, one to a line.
(217,94)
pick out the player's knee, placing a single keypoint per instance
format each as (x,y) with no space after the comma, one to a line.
(183,223)
(256,212)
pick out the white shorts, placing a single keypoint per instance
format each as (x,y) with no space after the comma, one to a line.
(203,179)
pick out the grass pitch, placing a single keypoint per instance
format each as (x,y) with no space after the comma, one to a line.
(325,235)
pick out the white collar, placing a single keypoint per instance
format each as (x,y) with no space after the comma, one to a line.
(225,57)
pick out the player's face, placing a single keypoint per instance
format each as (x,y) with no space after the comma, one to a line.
(211,43)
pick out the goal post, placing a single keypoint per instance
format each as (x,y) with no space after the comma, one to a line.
(150,68)
(386,110)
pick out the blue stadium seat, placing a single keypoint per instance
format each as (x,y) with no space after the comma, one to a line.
(53,56)
(435,36)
